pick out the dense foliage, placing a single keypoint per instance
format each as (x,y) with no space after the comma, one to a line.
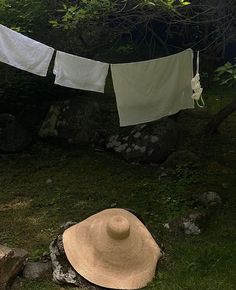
(87,27)
(138,28)
(226,74)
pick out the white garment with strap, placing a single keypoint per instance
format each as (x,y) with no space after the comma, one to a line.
(149,90)
(196,86)
(23,52)
(80,73)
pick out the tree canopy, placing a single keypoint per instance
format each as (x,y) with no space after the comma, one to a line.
(139,28)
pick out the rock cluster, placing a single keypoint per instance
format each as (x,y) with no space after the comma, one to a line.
(14,267)
(194,222)
(190,224)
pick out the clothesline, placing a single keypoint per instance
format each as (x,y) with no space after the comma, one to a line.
(145,91)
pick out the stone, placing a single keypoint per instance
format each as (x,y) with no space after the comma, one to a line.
(154,139)
(137,135)
(12,262)
(162,176)
(225,185)
(210,199)
(48,181)
(151,143)
(166,226)
(14,137)
(190,228)
(37,270)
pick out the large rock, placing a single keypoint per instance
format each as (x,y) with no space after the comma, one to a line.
(76,120)
(13,135)
(84,119)
(12,262)
(151,143)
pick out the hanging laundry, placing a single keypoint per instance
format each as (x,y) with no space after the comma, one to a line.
(23,52)
(80,73)
(149,90)
(196,86)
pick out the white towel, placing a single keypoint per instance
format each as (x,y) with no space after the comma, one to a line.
(80,73)
(23,52)
(149,90)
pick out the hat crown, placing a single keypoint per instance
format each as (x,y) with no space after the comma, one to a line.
(118,227)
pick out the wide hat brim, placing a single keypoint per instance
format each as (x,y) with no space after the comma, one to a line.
(117,262)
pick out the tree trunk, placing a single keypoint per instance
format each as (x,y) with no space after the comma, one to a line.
(215,122)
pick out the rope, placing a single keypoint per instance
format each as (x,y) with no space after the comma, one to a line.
(198,62)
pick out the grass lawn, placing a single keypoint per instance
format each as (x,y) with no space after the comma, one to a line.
(84,182)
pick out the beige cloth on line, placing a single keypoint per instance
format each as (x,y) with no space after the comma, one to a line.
(149,90)
(23,52)
(80,73)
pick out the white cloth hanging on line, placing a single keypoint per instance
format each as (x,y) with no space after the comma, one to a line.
(196,86)
(80,73)
(23,52)
(149,90)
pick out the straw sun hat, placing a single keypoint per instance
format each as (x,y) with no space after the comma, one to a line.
(112,249)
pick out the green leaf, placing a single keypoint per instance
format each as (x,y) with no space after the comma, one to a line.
(61,10)
(54,23)
(183,2)
(220,69)
(226,74)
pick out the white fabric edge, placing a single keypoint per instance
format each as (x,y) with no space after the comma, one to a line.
(158,117)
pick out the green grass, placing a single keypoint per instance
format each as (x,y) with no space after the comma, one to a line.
(85,182)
